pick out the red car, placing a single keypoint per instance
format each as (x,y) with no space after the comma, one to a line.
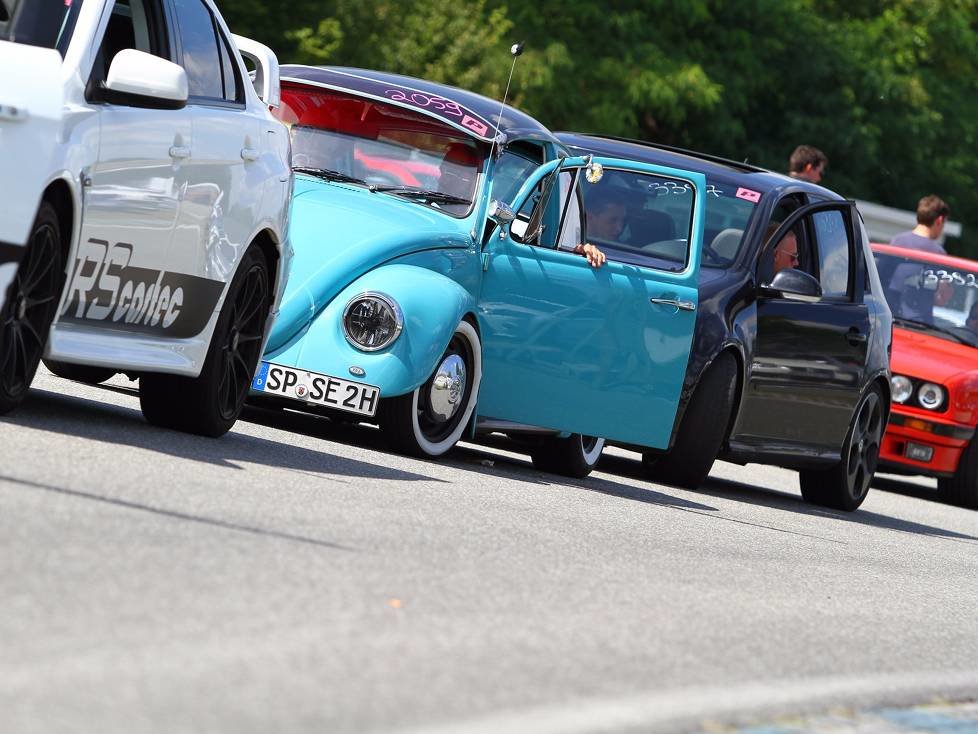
(934,366)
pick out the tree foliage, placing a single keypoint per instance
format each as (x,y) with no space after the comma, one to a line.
(887,88)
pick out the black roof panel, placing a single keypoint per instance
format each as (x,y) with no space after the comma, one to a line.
(467,111)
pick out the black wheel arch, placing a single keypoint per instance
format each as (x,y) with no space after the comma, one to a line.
(736,350)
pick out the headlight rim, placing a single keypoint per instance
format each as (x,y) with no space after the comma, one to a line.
(940,390)
(910,389)
(389,301)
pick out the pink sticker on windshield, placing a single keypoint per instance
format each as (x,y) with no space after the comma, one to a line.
(748,195)
(475,126)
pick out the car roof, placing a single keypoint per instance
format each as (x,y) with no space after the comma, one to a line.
(472,113)
(934,257)
(759,179)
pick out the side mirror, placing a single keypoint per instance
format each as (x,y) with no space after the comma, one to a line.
(500,213)
(793,284)
(139,79)
(265,77)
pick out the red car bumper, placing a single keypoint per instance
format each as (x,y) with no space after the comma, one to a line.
(923,445)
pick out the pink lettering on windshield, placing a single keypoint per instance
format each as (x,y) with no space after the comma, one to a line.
(748,195)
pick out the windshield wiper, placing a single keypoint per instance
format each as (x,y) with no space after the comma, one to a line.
(924,326)
(328,175)
(438,196)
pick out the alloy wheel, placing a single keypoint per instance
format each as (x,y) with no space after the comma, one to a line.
(864,445)
(240,351)
(29,310)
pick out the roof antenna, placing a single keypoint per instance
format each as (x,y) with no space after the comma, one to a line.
(516,49)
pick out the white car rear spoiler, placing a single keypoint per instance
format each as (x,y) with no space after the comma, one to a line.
(265,76)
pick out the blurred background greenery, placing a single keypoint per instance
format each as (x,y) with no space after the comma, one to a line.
(888,90)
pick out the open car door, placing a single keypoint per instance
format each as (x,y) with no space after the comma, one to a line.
(596,351)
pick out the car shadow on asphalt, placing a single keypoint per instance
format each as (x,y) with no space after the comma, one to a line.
(465,457)
(99,421)
(790,502)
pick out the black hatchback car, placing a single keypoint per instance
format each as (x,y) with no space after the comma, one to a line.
(790,357)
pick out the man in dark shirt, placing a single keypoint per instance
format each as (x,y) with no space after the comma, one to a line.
(917,303)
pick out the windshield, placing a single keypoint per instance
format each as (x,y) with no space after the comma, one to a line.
(729,208)
(45,23)
(357,140)
(931,297)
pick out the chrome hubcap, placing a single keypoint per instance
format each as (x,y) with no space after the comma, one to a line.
(447,388)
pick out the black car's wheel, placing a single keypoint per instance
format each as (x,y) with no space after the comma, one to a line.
(31,304)
(574,456)
(703,428)
(845,485)
(79,372)
(429,421)
(962,488)
(210,403)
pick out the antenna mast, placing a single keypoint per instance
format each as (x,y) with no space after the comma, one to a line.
(516,49)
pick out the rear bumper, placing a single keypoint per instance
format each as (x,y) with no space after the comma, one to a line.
(946,439)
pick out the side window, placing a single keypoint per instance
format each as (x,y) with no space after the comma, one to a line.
(233,91)
(792,250)
(201,53)
(134,24)
(640,219)
(832,237)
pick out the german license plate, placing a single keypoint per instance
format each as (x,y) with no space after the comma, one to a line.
(917,452)
(317,389)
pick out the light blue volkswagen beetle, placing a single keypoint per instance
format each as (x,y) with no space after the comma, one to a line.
(436,290)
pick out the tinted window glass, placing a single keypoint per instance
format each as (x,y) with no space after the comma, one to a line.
(512,169)
(229,73)
(201,57)
(640,219)
(133,24)
(832,237)
(45,23)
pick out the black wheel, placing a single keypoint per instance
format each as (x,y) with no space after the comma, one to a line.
(962,488)
(430,420)
(31,304)
(702,431)
(209,404)
(574,456)
(79,372)
(845,485)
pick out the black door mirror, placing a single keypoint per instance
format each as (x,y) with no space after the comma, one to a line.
(793,284)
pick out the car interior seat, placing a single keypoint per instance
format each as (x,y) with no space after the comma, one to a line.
(726,242)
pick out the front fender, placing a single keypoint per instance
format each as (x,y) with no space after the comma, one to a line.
(432,305)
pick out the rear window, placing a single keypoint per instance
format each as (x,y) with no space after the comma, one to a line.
(44,23)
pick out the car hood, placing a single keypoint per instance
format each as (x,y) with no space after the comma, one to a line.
(929,357)
(341,231)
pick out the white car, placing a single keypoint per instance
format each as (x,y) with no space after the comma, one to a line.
(144,197)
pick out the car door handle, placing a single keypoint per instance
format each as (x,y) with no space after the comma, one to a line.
(12,113)
(854,337)
(249,154)
(681,305)
(178,152)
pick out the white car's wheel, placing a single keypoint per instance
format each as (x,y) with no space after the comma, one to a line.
(429,421)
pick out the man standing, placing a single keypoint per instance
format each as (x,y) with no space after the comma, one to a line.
(807,163)
(931,217)
(917,303)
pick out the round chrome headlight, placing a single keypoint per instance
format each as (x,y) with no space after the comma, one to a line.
(372,321)
(901,387)
(930,396)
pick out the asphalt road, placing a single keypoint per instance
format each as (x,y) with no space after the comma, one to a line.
(295,577)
